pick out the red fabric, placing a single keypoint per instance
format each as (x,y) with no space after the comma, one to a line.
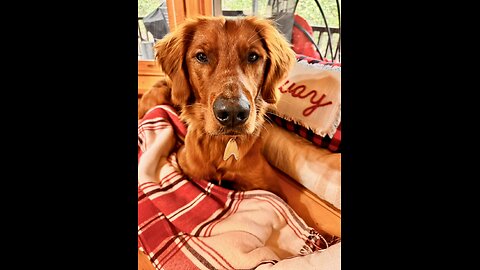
(301,44)
(332,144)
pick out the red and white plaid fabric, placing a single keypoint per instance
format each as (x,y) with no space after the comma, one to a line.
(332,144)
(194,224)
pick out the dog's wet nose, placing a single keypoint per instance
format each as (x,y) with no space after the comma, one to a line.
(231,112)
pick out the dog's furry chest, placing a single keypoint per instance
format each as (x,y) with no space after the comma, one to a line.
(202,158)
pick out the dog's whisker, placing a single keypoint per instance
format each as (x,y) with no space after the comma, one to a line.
(267,118)
(260,38)
(252,36)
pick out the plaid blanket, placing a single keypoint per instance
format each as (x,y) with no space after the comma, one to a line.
(194,224)
(332,144)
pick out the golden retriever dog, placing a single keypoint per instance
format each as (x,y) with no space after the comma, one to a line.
(222,75)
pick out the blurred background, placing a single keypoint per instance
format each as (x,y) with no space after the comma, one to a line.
(312,26)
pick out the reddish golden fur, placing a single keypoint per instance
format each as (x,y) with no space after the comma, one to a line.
(195,86)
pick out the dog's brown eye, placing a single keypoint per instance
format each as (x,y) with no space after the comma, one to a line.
(252,57)
(201,57)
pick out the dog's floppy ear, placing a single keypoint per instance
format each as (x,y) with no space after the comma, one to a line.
(170,55)
(280,60)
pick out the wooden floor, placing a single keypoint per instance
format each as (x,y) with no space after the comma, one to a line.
(148,73)
(143,262)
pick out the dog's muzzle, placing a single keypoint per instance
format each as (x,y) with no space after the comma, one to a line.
(231,112)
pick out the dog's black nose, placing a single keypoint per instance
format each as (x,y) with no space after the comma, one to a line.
(231,112)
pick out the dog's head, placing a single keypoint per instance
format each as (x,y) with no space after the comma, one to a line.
(225,71)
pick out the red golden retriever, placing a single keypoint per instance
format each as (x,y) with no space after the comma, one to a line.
(223,73)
